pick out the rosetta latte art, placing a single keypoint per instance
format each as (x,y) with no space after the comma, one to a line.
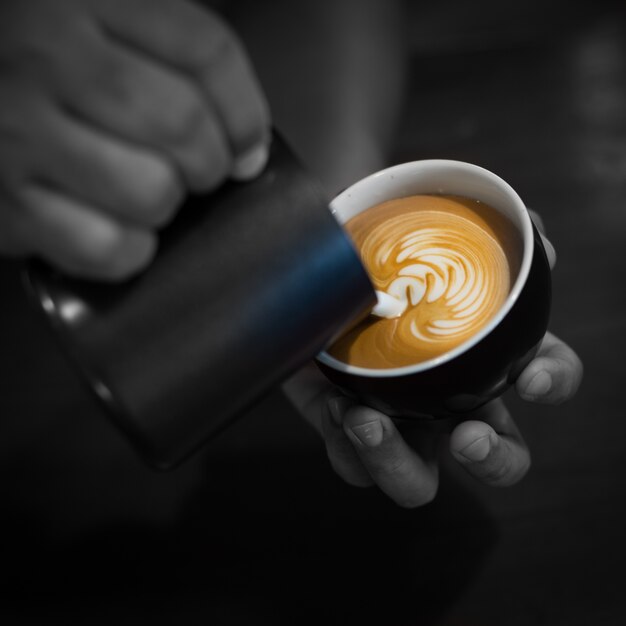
(446,266)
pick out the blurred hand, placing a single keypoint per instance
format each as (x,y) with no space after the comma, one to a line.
(366,447)
(110,111)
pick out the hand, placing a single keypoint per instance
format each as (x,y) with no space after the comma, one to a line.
(366,447)
(110,111)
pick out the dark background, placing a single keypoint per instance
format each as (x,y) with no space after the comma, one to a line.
(258,529)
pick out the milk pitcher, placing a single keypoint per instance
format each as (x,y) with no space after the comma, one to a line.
(249,283)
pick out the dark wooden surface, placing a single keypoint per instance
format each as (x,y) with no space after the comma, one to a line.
(267,534)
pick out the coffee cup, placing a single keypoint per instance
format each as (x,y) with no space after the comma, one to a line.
(486,361)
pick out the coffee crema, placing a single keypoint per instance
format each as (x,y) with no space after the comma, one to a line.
(443,258)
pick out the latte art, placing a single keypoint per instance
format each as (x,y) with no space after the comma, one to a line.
(444,264)
(444,267)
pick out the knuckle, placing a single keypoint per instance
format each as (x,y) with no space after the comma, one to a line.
(250,128)
(194,136)
(111,81)
(206,168)
(221,45)
(159,194)
(102,244)
(249,116)
(395,466)
(179,125)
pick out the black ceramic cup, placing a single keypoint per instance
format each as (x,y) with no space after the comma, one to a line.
(484,366)
(249,283)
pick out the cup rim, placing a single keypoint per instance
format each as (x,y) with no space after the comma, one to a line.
(527,255)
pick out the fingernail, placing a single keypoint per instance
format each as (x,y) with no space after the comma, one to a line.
(369,434)
(540,385)
(337,408)
(251,163)
(479,450)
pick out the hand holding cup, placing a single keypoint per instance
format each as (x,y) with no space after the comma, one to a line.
(462,383)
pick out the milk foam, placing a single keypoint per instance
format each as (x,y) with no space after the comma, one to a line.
(441,274)
(443,267)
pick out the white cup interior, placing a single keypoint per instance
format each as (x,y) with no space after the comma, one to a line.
(442,177)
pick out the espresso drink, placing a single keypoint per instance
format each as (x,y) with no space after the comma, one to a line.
(443,259)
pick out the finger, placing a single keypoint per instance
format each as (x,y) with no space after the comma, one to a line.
(82,241)
(323,407)
(407,478)
(201,44)
(143,102)
(549,248)
(537,220)
(308,391)
(132,183)
(550,251)
(490,447)
(553,376)
(341,453)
